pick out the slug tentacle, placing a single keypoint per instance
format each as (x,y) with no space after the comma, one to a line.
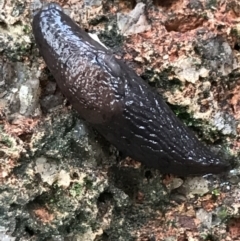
(116,101)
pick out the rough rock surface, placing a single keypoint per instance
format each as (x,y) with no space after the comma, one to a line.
(60,180)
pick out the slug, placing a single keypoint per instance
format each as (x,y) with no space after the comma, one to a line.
(116,101)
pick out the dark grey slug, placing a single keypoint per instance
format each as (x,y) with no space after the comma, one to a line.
(116,101)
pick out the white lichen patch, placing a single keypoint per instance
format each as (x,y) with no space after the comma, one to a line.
(133,22)
(93,2)
(48,171)
(4,236)
(224,123)
(28,95)
(228,62)
(51,173)
(204,217)
(64,179)
(186,69)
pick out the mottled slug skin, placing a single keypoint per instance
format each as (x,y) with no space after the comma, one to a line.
(117,102)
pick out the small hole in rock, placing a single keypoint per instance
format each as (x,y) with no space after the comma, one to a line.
(25,137)
(2,154)
(237,46)
(13,205)
(105,196)
(75,175)
(29,231)
(148,174)
(103,237)
(163,3)
(3,25)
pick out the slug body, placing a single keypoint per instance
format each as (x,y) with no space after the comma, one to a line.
(116,101)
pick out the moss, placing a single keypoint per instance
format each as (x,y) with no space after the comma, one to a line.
(76,189)
(223,213)
(203,129)
(18,51)
(171,223)
(5,140)
(88,183)
(210,4)
(26,29)
(216,192)
(58,143)
(161,80)
(235,32)
(187,118)
(204,15)
(210,237)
